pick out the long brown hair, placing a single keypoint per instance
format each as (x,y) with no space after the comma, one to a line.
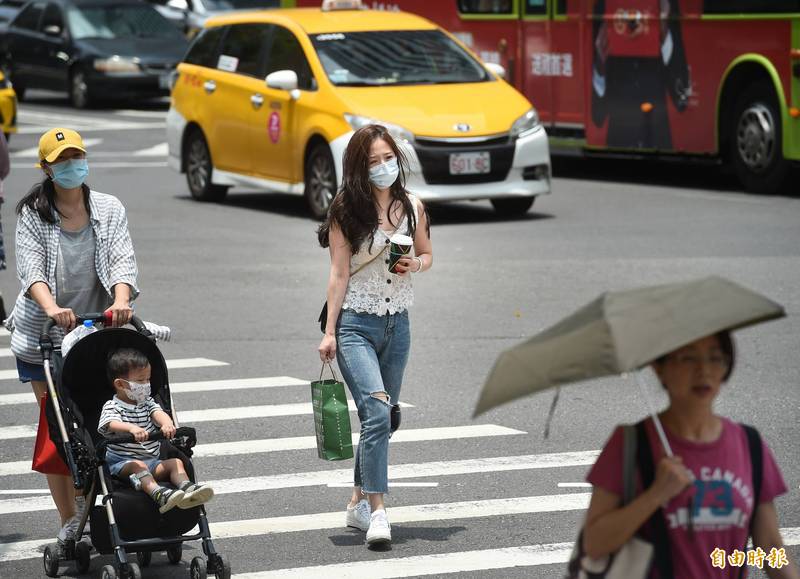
(354,209)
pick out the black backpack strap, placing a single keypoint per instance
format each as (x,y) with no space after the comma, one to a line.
(757,464)
(657,523)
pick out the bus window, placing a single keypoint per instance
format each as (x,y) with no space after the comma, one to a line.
(750,6)
(535,7)
(486,6)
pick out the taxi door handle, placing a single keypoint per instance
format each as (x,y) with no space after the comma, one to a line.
(209,86)
(257,100)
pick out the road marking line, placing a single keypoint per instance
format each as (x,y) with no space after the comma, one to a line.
(333,520)
(575,485)
(38,129)
(34,151)
(160,150)
(25,491)
(208,415)
(391,484)
(176,364)
(103,164)
(399,515)
(323,477)
(189,387)
(4,332)
(20,467)
(6,353)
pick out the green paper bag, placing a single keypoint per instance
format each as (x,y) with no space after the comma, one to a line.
(331,418)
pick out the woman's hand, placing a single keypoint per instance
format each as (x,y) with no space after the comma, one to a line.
(405,265)
(327,348)
(121,313)
(671,478)
(63,317)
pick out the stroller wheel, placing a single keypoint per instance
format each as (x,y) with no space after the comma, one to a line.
(222,567)
(83,556)
(175,553)
(109,572)
(133,572)
(197,569)
(144,558)
(51,560)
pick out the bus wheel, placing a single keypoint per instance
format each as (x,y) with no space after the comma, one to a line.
(320,181)
(757,141)
(513,206)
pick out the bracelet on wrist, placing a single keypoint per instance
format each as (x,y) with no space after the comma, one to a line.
(419,260)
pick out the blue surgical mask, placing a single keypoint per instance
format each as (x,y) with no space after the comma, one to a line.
(385,174)
(70,174)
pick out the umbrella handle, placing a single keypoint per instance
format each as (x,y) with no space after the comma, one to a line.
(650,410)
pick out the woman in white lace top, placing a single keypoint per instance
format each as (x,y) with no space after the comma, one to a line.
(367,326)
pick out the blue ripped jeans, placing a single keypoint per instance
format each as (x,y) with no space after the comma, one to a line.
(372,352)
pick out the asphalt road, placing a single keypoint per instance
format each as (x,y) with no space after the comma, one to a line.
(241,284)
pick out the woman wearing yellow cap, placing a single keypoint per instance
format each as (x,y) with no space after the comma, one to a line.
(74,255)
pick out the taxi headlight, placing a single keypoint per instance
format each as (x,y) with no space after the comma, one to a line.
(117,64)
(525,125)
(397,132)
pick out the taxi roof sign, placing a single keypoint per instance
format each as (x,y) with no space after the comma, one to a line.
(330,5)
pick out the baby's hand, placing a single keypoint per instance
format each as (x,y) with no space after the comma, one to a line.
(168,430)
(139,434)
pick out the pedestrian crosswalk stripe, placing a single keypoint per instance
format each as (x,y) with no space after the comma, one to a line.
(239,447)
(6,353)
(4,332)
(176,364)
(323,477)
(207,415)
(333,520)
(184,387)
(420,565)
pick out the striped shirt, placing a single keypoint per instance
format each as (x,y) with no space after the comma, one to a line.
(138,414)
(37,254)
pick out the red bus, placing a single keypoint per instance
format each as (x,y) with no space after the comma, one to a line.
(643,78)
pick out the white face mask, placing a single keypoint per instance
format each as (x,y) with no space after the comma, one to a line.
(138,392)
(385,174)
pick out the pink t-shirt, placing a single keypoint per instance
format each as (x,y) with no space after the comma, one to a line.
(722,489)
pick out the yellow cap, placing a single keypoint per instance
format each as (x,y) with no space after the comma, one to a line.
(54,141)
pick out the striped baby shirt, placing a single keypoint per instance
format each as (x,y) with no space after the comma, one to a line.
(138,414)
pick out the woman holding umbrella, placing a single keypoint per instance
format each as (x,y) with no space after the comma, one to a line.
(704,493)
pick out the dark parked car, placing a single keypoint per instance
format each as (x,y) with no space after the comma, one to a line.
(93,49)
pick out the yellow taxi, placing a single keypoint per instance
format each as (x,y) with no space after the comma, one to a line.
(270,99)
(8,107)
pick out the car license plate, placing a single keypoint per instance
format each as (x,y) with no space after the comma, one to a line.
(163,81)
(470,163)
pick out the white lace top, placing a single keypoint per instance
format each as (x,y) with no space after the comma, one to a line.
(374,290)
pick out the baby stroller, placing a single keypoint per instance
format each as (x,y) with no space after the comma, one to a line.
(128,521)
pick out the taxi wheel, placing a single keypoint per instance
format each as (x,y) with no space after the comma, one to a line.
(320,180)
(198,169)
(513,206)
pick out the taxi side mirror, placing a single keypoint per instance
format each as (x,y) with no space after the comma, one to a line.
(495,68)
(284,80)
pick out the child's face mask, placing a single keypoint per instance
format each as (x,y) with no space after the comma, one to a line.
(138,392)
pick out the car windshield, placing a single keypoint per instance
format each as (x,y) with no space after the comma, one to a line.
(222,5)
(119,21)
(397,57)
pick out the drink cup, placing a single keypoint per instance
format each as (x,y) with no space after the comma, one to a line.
(400,245)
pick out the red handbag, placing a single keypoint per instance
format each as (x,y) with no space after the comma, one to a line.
(45,456)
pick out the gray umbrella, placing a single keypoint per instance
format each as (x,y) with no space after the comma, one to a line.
(623,331)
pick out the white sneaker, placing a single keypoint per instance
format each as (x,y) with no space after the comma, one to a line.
(67,532)
(380,531)
(358,516)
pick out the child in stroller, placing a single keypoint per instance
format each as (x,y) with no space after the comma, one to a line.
(127,521)
(133,410)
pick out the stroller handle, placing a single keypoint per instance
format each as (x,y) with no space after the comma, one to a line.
(158,435)
(46,342)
